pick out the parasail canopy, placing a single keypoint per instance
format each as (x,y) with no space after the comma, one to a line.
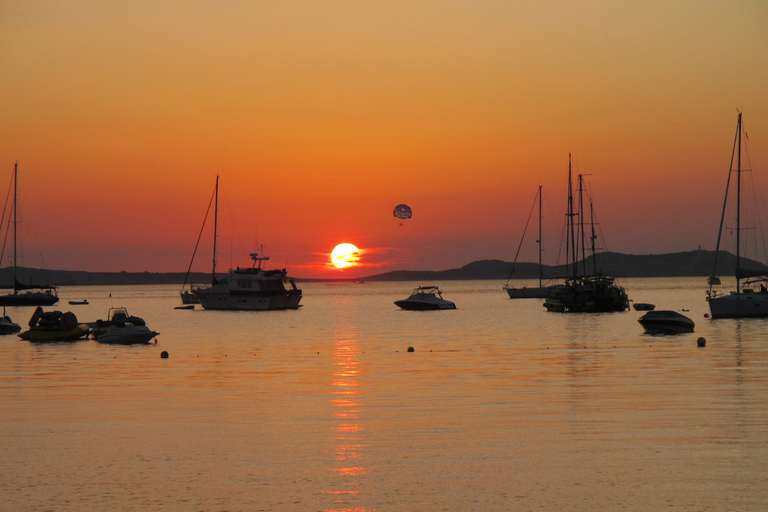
(403,211)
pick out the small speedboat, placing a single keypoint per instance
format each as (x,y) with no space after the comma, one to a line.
(643,306)
(666,322)
(54,326)
(127,335)
(79,302)
(116,328)
(425,298)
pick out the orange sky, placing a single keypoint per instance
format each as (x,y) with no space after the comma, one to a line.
(320,117)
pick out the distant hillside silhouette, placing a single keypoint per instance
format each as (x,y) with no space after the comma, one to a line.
(679,264)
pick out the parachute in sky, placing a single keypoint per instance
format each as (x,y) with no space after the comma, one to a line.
(403,211)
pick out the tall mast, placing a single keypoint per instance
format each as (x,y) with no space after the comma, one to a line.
(15,197)
(539,240)
(738,204)
(215,229)
(571,226)
(582,240)
(593,237)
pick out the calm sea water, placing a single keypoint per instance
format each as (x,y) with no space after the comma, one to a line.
(501,406)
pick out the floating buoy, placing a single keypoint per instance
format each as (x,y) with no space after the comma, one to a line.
(164,354)
(410,349)
(701,342)
(706,315)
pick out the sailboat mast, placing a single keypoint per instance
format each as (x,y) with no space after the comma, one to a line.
(738,205)
(215,229)
(571,227)
(539,240)
(582,235)
(593,237)
(15,201)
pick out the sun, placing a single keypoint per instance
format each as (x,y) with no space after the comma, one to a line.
(345,255)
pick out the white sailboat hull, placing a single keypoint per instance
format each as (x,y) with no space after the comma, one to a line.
(739,305)
(527,293)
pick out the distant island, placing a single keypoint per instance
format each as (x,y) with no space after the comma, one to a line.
(679,264)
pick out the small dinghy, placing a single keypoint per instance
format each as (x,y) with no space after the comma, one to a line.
(425,298)
(666,322)
(7,326)
(643,306)
(54,326)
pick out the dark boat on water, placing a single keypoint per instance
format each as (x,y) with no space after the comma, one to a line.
(666,322)
(24,294)
(583,292)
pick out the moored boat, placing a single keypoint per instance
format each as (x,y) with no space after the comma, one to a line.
(534,292)
(584,291)
(8,326)
(750,299)
(251,289)
(126,335)
(425,298)
(54,326)
(666,322)
(643,306)
(25,294)
(116,317)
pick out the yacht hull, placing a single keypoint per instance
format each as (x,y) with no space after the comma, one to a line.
(226,300)
(527,293)
(739,305)
(29,299)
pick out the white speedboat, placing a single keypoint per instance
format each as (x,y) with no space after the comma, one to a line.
(120,319)
(425,298)
(666,322)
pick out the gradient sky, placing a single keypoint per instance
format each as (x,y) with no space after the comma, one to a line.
(321,116)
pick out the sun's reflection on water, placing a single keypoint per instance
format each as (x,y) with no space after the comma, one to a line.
(348,448)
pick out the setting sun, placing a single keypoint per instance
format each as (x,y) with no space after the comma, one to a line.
(345,255)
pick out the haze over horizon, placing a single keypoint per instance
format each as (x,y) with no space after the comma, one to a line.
(321,117)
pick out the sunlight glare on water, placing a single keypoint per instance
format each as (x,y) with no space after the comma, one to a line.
(501,406)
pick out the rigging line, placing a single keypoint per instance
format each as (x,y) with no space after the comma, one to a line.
(530,214)
(189,269)
(2,222)
(725,203)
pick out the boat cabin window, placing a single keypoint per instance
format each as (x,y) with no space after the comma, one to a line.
(244,283)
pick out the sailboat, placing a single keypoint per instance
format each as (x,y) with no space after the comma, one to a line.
(252,288)
(539,292)
(751,296)
(583,292)
(24,294)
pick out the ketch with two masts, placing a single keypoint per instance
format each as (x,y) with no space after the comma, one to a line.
(583,292)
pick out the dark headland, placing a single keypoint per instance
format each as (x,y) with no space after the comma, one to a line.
(679,264)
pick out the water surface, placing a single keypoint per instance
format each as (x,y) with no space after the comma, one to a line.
(501,406)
